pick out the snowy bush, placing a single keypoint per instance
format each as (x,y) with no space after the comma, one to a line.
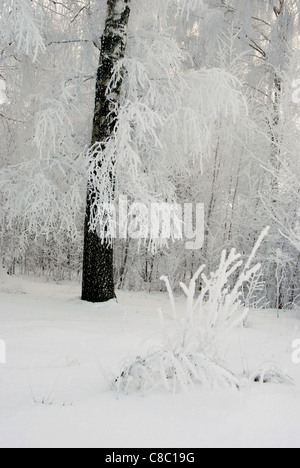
(173,371)
(271,374)
(193,353)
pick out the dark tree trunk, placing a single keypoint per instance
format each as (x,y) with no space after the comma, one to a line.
(98,273)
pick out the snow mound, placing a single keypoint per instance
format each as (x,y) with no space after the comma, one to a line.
(10,284)
(51,384)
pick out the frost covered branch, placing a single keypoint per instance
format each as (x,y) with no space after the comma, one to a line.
(20,25)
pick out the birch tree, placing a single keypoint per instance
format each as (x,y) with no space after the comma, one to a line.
(98,273)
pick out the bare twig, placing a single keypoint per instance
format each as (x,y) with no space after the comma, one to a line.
(71,41)
(76,16)
(10,119)
(279,11)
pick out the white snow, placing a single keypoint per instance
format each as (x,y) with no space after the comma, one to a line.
(54,392)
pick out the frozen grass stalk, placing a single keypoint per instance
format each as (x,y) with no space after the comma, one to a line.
(193,354)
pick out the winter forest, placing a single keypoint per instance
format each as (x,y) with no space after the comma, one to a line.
(109,108)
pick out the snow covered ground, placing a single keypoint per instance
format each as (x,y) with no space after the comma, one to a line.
(53,391)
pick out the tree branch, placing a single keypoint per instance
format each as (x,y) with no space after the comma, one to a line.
(256,47)
(279,11)
(261,21)
(10,119)
(71,41)
(76,16)
(61,4)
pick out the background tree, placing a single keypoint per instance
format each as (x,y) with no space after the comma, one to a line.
(183,133)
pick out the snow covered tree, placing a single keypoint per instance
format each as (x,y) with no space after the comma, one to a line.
(202,112)
(98,273)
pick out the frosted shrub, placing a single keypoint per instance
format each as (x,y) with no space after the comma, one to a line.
(193,353)
(173,371)
(271,374)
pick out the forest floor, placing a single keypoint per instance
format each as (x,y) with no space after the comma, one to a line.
(54,394)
